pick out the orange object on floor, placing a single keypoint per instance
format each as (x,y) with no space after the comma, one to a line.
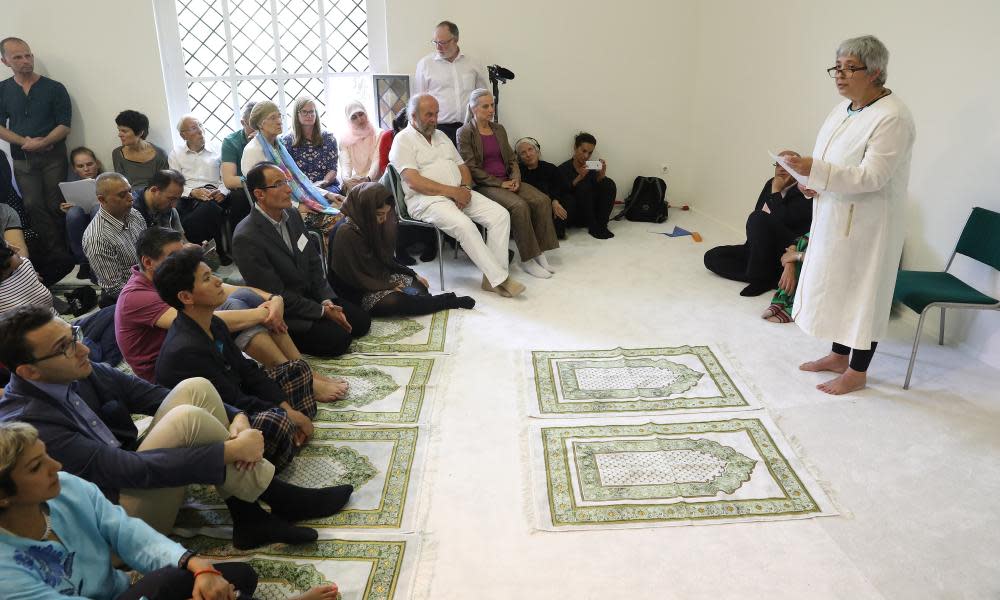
(696,236)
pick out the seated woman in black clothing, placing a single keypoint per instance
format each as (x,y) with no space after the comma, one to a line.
(782,215)
(362,267)
(592,192)
(546,177)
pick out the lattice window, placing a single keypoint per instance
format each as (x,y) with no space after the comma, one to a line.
(238,50)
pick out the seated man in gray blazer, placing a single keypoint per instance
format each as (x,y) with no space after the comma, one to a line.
(274,253)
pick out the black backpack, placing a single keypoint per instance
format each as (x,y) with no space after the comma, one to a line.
(647,201)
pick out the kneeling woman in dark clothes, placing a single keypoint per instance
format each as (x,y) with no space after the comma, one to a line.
(362,267)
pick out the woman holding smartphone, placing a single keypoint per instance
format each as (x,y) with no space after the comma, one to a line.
(593,192)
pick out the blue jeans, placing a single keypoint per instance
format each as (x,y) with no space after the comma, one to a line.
(99,335)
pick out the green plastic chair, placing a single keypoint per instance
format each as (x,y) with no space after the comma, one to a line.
(923,290)
(391,180)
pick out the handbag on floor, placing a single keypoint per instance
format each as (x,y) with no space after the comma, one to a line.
(646,202)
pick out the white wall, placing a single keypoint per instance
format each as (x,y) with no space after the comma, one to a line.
(705,87)
(622,73)
(106,54)
(760,85)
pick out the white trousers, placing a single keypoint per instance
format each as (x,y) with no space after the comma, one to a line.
(491,256)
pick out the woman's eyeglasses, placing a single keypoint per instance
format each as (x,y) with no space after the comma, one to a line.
(847,72)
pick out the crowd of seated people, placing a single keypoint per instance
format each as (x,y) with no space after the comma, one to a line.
(218,367)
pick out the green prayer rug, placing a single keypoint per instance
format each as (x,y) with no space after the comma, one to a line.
(391,335)
(378,462)
(676,470)
(632,381)
(383,389)
(363,569)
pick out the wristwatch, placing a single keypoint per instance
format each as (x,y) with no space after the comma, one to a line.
(466,186)
(182,563)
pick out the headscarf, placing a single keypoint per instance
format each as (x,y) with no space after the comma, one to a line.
(357,142)
(359,208)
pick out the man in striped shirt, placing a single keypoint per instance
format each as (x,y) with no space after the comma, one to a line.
(110,239)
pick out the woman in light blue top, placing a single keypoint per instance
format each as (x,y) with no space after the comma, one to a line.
(58,533)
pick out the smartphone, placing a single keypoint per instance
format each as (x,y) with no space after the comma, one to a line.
(594,165)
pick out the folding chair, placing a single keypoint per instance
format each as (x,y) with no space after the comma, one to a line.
(923,290)
(392,182)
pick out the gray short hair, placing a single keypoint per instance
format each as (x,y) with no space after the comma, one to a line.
(15,438)
(247,109)
(870,51)
(104,179)
(474,100)
(180,122)
(452,28)
(414,104)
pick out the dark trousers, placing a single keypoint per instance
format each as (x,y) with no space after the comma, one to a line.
(860,359)
(239,207)
(326,338)
(38,177)
(450,130)
(172,583)
(589,205)
(759,259)
(77,220)
(98,330)
(202,220)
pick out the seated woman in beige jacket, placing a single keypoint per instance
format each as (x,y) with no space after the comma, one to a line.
(484,148)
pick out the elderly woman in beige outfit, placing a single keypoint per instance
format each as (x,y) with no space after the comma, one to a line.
(487,153)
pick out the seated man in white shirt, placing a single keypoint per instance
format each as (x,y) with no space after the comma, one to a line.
(438,188)
(450,77)
(204,202)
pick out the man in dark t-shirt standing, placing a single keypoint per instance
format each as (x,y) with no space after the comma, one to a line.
(35,118)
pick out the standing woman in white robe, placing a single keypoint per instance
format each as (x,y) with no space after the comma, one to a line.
(858,175)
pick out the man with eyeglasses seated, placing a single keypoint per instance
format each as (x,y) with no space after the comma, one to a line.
(274,254)
(204,200)
(782,214)
(450,77)
(109,241)
(82,411)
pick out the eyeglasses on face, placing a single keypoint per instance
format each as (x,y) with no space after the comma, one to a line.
(278,184)
(307,112)
(442,43)
(847,72)
(66,348)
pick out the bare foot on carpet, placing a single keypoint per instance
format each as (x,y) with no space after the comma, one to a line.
(330,390)
(320,592)
(836,363)
(849,381)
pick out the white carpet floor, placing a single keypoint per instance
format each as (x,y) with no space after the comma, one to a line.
(914,474)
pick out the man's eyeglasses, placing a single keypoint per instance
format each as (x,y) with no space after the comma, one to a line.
(66,348)
(278,184)
(442,43)
(847,72)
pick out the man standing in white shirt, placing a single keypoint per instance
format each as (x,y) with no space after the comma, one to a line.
(204,202)
(450,77)
(438,189)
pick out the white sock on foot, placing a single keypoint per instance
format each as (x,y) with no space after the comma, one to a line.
(535,270)
(544,263)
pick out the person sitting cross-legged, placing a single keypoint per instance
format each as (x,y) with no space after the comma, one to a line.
(362,260)
(274,253)
(279,400)
(82,411)
(142,318)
